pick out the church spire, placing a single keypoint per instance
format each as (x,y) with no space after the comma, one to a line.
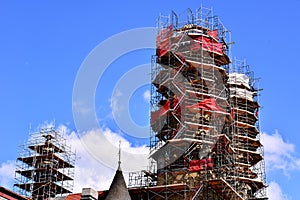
(119,162)
(118,189)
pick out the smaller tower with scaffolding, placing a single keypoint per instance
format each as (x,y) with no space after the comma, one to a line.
(45,165)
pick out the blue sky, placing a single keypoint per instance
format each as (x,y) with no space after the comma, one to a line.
(43,44)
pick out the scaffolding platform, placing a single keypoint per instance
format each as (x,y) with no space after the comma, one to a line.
(45,165)
(204,140)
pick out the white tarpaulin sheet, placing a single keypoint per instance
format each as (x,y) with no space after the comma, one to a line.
(241,93)
(239,79)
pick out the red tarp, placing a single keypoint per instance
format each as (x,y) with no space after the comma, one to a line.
(206,104)
(199,165)
(257,112)
(208,44)
(163,48)
(164,34)
(232,114)
(163,110)
(213,33)
(163,41)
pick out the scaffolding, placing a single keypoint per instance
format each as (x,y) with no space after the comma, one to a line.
(204,137)
(45,165)
(249,160)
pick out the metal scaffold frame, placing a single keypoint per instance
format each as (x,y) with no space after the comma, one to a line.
(195,141)
(45,165)
(249,159)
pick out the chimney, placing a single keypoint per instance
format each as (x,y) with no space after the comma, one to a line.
(89,194)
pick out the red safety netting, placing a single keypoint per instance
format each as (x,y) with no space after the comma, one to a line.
(206,104)
(213,33)
(200,165)
(163,41)
(232,114)
(207,44)
(163,110)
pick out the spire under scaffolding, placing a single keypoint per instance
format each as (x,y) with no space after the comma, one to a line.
(205,138)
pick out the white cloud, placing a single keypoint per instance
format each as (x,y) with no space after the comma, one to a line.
(115,105)
(7,170)
(90,170)
(279,154)
(82,108)
(275,193)
(147,95)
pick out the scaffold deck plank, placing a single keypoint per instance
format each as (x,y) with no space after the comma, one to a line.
(224,189)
